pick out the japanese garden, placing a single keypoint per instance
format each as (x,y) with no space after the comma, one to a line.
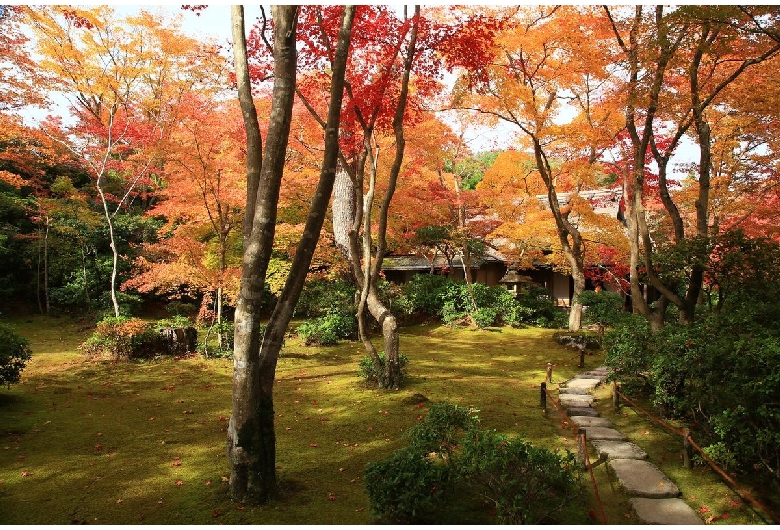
(390,264)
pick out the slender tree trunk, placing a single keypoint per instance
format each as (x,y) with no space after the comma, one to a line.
(392,370)
(46,267)
(465,256)
(38,277)
(84,275)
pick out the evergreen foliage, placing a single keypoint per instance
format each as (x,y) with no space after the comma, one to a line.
(14,354)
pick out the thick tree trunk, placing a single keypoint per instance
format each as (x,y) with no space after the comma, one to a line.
(251,435)
(343,211)
(251,438)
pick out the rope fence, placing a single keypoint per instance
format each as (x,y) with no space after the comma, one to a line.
(688,442)
(582,446)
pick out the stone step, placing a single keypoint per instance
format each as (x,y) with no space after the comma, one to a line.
(603,433)
(642,479)
(578,382)
(575,400)
(590,421)
(581,411)
(617,449)
(574,391)
(664,511)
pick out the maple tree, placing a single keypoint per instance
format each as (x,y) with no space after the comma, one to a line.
(202,199)
(121,78)
(251,436)
(379,73)
(18,70)
(547,61)
(677,65)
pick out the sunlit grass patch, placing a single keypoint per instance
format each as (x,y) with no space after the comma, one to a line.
(144,442)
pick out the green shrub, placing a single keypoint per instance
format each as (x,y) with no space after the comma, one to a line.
(424,294)
(369,373)
(450,300)
(446,451)
(122,338)
(328,330)
(527,484)
(721,373)
(405,486)
(603,309)
(441,429)
(14,354)
(628,352)
(321,297)
(175,321)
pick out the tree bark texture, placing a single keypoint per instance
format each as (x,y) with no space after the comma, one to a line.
(251,438)
(391,371)
(251,434)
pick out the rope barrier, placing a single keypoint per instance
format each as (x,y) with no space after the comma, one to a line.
(557,404)
(580,439)
(657,420)
(732,484)
(593,480)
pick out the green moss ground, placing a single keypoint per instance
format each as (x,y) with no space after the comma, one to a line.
(129,443)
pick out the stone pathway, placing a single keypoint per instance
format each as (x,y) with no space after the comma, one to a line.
(654,497)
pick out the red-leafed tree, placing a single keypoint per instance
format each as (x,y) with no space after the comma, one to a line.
(123,79)
(393,69)
(201,198)
(678,65)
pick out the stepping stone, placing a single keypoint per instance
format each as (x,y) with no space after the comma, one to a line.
(664,511)
(603,433)
(642,479)
(614,449)
(582,411)
(574,391)
(590,421)
(575,400)
(589,375)
(582,383)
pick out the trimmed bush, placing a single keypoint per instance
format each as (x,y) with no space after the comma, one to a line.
(405,486)
(14,354)
(446,450)
(123,338)
(527,484)
(328,330)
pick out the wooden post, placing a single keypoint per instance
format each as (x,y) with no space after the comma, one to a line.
(582,357)
(615,396)
(687,449)
(581,441)
(549,373)
(543,397)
